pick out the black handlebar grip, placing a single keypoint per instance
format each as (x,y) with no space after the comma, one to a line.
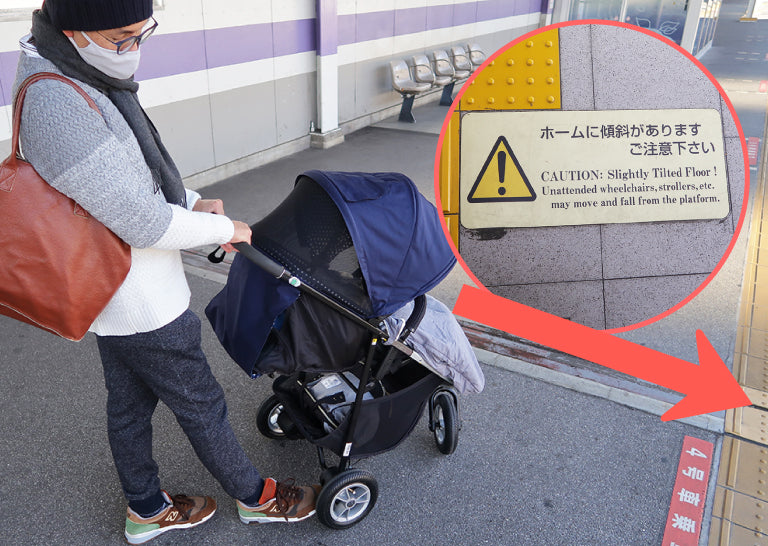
(271,267)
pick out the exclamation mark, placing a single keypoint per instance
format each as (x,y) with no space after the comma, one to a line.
(502,160)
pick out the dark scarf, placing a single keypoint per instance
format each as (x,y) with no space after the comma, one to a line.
(52,44)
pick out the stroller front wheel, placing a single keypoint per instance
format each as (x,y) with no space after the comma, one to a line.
(347,498)
(268,419)
(446,426)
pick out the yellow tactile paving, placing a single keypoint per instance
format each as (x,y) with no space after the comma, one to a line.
(724,533)
(752,373)
(756,343)
(524,77)
(761,296)
(449,172)
(758,397)
(749,423)
(744,469)
(761,275)
(740,512)
(759,322)
(449,177)
(744,511)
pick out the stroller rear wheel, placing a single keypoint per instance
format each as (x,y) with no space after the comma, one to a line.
(347,498)
(445,423)
(270,419)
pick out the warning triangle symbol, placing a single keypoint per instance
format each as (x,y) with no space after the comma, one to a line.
(501,178)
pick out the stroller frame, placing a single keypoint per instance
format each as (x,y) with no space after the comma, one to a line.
(348,495)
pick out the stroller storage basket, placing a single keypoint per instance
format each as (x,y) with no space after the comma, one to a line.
(383,421)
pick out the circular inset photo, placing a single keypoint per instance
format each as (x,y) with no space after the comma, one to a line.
(595,171)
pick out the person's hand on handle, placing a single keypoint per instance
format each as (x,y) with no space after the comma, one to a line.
(242,235)
(216,206)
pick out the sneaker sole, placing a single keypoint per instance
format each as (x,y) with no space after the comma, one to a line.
(265,520)
(141,538)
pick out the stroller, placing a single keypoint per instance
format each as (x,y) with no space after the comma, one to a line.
(334,310)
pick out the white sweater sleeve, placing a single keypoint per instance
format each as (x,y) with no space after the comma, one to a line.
(192,198)
(190,229)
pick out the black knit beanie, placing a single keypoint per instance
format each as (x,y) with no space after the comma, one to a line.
(96,14)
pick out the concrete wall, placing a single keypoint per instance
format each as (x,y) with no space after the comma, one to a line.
(233,83)
(368,40)
(613,275)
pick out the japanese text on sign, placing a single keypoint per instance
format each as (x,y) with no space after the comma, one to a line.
(634,130)
(550,168)
(690,491)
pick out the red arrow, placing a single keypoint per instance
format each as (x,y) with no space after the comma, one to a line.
(708,387)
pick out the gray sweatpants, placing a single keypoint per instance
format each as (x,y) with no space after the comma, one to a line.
(168,364)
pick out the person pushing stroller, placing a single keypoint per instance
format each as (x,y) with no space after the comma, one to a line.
(114,165)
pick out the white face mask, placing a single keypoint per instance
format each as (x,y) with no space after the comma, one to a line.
(121,66)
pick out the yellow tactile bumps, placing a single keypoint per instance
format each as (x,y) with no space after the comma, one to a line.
(524,77)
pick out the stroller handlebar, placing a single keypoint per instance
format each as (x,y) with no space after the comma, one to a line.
(271,267)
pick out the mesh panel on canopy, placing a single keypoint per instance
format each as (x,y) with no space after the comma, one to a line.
(307,234)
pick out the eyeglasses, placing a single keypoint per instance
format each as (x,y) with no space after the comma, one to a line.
(128,43)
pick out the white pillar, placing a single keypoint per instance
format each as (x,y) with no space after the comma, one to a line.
(327,92)
(327,132)
(691,25)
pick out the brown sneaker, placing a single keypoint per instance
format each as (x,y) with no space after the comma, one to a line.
(182,513)
(283,502)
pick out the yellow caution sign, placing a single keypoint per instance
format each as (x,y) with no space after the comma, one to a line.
(501,178)
(591,167)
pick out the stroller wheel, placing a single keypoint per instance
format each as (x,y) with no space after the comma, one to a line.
(445,423)
(347,498)
(267,419)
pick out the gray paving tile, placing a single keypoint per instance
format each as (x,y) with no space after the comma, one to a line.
(577,89)
(664,248)
(580,302)
(634,71)
(532,255)
(629,301)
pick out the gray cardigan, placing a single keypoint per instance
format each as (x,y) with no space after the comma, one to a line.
(93,159)
(96,160)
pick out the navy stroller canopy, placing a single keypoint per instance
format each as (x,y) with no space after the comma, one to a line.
(396,232)
(370,241)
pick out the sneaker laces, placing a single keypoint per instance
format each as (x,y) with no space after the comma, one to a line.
(287,494)
(183,504)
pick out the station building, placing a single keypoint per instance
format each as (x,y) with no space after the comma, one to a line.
(233,84)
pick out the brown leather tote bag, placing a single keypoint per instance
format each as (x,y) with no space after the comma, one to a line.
(59,267)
